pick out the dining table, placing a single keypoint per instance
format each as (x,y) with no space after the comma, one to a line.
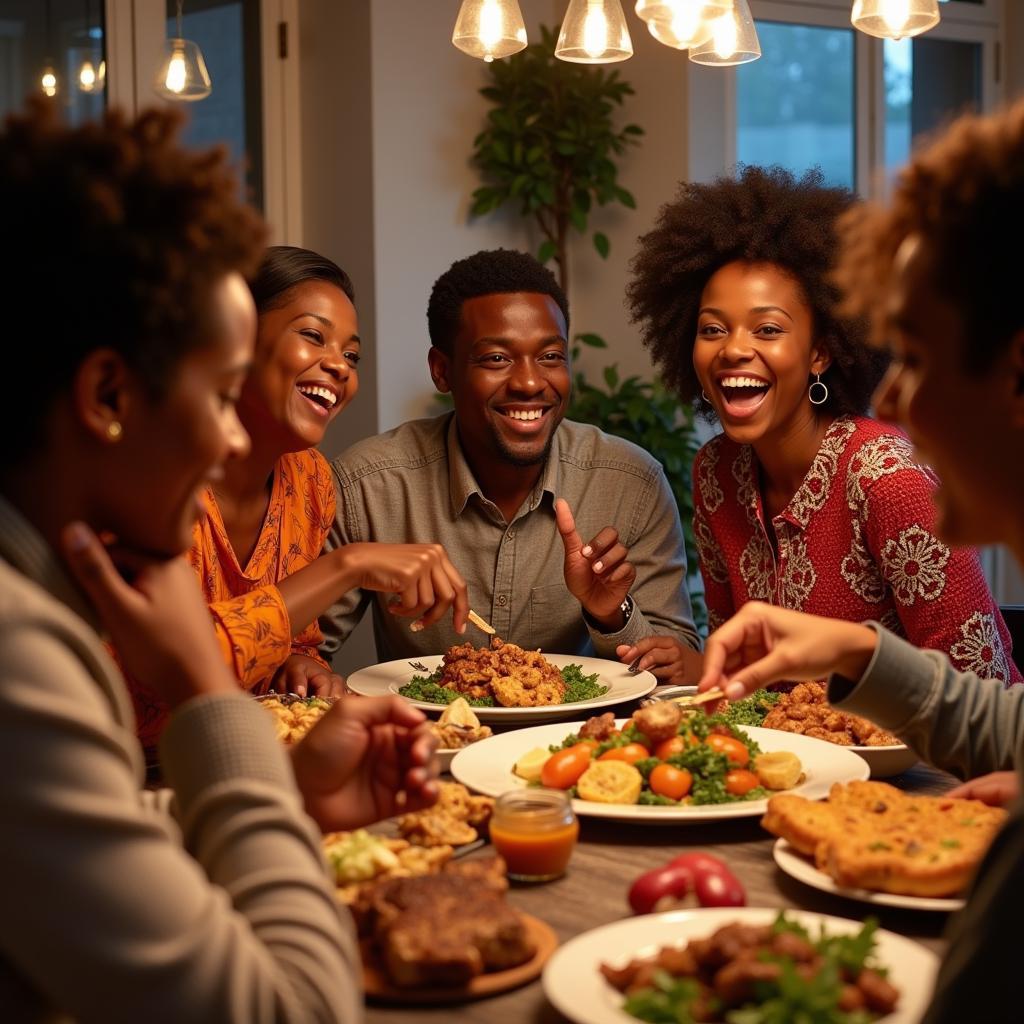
(610,854)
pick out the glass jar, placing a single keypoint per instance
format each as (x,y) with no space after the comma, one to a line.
(535,831)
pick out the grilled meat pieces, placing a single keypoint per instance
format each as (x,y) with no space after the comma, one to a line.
(514,677)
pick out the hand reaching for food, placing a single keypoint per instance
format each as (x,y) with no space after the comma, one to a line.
(597,574)
(669,659)
(366,760)
(308,678)
(997,789)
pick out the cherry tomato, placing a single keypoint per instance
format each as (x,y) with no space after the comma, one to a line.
(652,886)
(667,780)
(735,750)
(562,769)
(630,753)
(590,745)
(739,782)
(666,748)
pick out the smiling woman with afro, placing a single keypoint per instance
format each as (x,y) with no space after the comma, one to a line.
(802,501)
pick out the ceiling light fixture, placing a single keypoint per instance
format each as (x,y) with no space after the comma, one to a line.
(733,38)
(594,32)
(489,29)
(680,23)
(182,74)
(894,19)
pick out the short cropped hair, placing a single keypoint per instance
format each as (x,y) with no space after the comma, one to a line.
(120,234)
(963,193)
(489,272)
(762,215)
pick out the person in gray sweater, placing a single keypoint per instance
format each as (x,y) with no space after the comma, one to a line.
(931,271)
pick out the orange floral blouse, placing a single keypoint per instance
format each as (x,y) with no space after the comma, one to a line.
(248,611)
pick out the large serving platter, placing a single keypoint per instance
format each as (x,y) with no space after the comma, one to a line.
(574,985)
(388,678)
(486,766)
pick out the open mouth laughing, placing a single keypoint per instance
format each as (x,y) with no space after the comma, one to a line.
(319,397)
(523,419)
(742,394)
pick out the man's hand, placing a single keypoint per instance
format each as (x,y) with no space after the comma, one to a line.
(308,678)
(158,622)
(366,760)
(669,659)
(597,574)
(762,644)
(997,789)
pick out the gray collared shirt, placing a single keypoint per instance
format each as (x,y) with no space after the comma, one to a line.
(413,485)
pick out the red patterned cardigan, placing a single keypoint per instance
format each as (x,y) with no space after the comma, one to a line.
(855,542)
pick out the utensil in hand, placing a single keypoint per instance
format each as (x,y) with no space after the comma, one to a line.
(481,623)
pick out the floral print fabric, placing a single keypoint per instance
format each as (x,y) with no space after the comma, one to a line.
(855,542)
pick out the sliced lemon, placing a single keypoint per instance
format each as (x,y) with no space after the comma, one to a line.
(529,765)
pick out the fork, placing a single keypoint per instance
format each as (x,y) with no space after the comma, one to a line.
(419,666)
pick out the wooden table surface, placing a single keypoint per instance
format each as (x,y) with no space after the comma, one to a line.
(611,854)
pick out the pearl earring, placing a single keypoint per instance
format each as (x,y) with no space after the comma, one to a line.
(114,430)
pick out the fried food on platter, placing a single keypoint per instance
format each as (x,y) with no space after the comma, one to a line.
(360,859)
(450,821)
(805,710)
(514,677)
(458,726)
(870,835)
(294,716)
(448,928)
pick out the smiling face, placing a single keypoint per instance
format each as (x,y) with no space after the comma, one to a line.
(754,352)
(966,424)
(509,377)
(305,368)
(147,490)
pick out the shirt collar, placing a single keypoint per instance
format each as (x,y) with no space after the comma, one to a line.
(23,547)
(462,483)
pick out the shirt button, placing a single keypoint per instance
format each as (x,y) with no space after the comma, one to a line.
(510,535)
(502,600)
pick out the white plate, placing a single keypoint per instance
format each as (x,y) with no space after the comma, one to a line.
(388,678)
(487,765)
(574,985)
(797,866)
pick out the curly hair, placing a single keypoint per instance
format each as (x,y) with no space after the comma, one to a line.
(285,267)
(119,235)
(764,215)
(489,272)
(964,194)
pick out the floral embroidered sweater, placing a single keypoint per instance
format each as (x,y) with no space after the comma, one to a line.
(855,542)
(248,611)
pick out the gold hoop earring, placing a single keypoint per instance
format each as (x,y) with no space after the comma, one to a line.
(114,430)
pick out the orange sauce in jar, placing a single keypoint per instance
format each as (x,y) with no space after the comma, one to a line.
(535,831)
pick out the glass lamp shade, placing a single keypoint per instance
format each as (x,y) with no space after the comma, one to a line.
(489,29)
(182,75)
(594,32)
(894,19)
(733,39)
(680,23)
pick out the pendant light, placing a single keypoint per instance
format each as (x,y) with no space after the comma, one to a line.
(90,78)
(48,79)
(489,29)
(182,75)
(594,32)
(733,38)
(894,19)
(680,23)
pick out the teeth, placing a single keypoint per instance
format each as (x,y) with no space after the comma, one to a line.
(525,414)
(317,392)
(742,382)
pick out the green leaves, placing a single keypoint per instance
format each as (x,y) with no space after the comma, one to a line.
(601,244)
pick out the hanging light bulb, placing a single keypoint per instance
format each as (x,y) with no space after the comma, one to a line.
(594,32)
(182,75)
(733,38)
(89,78)
(48,82)
(680,23)
(894,19)
(489,29)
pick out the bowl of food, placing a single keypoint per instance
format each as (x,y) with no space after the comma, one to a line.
(455,730)
(294,715)
(887,761)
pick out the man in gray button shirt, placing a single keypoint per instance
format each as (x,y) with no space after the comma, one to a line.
(483,482)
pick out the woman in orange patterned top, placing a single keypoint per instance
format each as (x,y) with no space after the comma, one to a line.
(257,547)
